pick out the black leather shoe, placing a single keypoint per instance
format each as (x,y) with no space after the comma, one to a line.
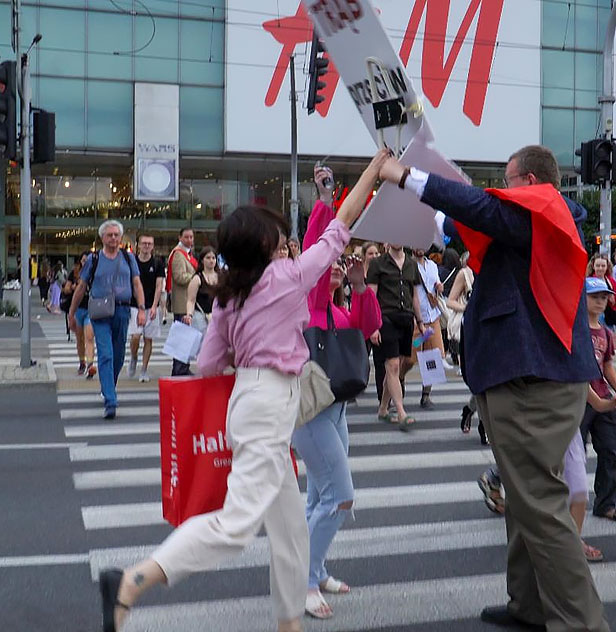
(499,615)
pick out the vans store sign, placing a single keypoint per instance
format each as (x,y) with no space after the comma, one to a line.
(157,132)
(475,63)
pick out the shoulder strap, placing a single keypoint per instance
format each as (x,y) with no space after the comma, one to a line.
(95,255)
(130,271)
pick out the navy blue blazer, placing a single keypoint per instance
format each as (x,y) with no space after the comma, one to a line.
(505,336)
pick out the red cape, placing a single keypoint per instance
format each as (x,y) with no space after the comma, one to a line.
(555,245)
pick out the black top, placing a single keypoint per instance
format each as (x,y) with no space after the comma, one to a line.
(149,271)
(75,280)
(395,286)
(205,295)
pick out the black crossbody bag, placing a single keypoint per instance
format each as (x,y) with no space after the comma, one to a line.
(342,354)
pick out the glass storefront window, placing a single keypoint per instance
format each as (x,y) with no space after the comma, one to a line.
(63,56)
(107,33)
(557,21)
(201,119)
(107,101)
(588,79)
(65,97)
(586,27)
(557,126)
(202,44)
(158,62)
(557,72)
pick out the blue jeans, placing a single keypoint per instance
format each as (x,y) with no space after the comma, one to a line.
(110,334)
(323,444)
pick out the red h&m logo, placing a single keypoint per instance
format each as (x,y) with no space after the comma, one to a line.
(435,69)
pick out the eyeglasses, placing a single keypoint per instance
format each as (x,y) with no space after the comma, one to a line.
(507,179)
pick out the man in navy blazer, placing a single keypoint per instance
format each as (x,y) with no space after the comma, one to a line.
(530,377)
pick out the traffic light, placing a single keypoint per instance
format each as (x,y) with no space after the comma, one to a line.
(585,168)
(601,160)
(44,141)
(596,161)
(317,68)
(8,110)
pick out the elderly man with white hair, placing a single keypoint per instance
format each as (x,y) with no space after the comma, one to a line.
(112,277)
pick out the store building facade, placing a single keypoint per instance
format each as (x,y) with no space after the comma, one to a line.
(506,73)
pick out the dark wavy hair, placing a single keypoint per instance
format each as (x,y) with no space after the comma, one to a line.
(201,257)
(247,239)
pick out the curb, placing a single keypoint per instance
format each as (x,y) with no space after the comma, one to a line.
(12,376)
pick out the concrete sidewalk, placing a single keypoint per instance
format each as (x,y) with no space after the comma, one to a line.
(11,374)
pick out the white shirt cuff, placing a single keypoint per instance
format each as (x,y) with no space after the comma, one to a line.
(416,181)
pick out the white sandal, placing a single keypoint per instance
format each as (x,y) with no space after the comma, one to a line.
(335,586)
(317,607)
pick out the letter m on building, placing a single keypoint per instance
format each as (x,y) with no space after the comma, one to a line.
(435,69)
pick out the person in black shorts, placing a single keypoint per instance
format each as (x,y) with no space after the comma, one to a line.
(152,274)
(394,278)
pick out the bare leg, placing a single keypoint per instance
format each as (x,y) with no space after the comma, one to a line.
(134,346)
(147,352)
(135,582)
(578,511)
(392,388)
(89,343)
(79,334)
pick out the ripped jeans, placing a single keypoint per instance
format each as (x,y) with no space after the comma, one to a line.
(323,444)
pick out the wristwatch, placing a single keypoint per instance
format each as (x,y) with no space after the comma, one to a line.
(141,307)
(405,175)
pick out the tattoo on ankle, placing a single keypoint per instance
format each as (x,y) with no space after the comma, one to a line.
(139,579)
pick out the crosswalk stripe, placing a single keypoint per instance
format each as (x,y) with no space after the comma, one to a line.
(379,463)
(358,543)
(150,513)
(364,608)
(390,437)
(85,413)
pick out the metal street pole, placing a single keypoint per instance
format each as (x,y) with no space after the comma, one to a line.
(606,101)
(26,355)
(294,201)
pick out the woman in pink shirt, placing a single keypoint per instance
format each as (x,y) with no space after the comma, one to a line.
(323,442)
(257,322)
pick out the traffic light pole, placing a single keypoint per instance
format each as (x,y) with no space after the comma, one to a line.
(294,206)
(25,210)
(606,101)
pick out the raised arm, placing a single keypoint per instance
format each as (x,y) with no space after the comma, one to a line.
(317,258)
(469,205)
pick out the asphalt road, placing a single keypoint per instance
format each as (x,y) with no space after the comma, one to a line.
(79,494)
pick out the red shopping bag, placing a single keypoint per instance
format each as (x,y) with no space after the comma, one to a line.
(195,454)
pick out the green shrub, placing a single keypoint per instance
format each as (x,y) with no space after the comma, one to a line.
(8,309)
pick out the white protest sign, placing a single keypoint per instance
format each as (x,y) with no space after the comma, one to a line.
(359,46)
(396,216)
(352,34)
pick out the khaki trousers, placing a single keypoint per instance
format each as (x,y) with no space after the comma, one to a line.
(530,424)
(262,490)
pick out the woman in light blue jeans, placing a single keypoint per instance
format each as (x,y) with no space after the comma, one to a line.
(323,443)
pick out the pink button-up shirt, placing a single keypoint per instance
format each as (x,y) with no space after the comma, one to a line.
(267,331)
(365,311)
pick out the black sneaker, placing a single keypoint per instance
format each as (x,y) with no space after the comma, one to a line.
(110,413)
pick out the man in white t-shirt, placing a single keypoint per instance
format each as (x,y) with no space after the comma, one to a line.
(430,314)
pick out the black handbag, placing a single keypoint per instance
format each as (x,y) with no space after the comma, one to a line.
(342,354)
